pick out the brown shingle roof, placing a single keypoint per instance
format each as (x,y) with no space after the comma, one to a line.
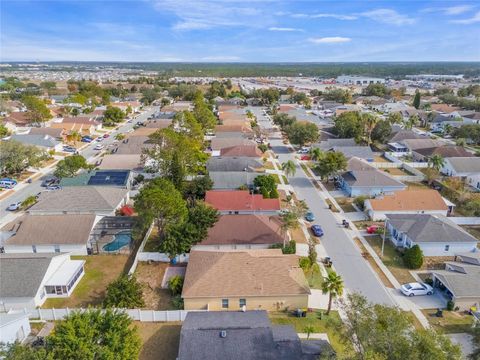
(232,128)
(245,229)
(241,150)
(410,200)
(240,200)
(445,151)
(245,273)
(50,229)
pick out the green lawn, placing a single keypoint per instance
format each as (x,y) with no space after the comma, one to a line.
(153,242)
(100,270)
(315,280)
(391,259)
(323,325)
(451,322)
(345,204)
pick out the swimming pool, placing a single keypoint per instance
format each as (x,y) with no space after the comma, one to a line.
(119,240)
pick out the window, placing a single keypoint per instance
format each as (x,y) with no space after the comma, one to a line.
(34,248)
(243,302)
(447,247)
(56,248)
(224,303)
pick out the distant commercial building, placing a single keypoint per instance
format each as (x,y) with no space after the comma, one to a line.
(437,77)
(359,80)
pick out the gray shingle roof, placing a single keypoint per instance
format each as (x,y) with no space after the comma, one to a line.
(363,152)
(360,174)
(22,274)
(460,284)
(465,164)
(233,163)
(429,228)
(80,199)
(330,143)
(232,180)
(248,336)
(46,141)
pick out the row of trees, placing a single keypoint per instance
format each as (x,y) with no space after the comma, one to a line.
(16,157)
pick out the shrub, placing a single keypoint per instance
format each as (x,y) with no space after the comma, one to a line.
(429,281)
(304,263)
(125,292)
(177,302)
(413,258)
(360,201)
(450,305)
(263,147)
(274,194)
(175,284)
(290,248)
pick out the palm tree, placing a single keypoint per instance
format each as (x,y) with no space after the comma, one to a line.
(436,162)
(411,122)
(333,285)
(308,330)
(289,168)
(316,154)
(447,129)
(74,136)
(369,121)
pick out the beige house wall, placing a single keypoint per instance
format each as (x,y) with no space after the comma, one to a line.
(466,303)
(269,303)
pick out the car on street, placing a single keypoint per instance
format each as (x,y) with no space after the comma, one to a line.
(416,288)
(87,139)
(317,230)
(69,149)
(15,206)
(106,136)
(7,183)
(51,180)
(309,216)
(98,147)
(53,187)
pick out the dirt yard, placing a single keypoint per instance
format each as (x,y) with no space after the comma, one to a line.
(150,276)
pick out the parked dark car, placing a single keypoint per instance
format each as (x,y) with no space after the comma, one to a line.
(317,230)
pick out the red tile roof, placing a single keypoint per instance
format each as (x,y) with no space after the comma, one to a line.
(240,200)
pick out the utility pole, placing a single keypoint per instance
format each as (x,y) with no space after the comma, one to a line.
(384,235)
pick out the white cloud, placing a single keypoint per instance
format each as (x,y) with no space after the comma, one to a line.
(472,20)
(388,16)
(330,40)
(286,29)
(451,10)
(321,15)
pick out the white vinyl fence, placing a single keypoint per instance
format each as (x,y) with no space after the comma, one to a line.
(160,257)
(142,245)
(135,314)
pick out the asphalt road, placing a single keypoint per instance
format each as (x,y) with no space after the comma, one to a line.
(88,152)
(358,276)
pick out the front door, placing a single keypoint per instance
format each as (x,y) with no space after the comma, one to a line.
(58,290)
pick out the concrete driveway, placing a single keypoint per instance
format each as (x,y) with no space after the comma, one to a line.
(435,301)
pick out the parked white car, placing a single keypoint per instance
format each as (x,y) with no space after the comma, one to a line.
(98,147)
(415,289)
(15,206)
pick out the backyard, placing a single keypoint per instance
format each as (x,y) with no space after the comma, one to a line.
(100,270)
(346,204)
(153,242)
(150,276)
(325,324)
(159,340)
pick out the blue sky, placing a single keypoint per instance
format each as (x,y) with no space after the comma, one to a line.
(236,31)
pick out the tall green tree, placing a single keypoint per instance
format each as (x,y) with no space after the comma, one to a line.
(316,154)
(381,131)
(266,185)
(369,121)
(416,100)
(16,157)
(196,188)
(113,115)
(125,292)
(69,166)
(95,335)
(289,168)
(436,162)
(348,125)
(301,133)
(331,164)
(203,113)
(37,111)
(161,202)
(333,286)
(395,118)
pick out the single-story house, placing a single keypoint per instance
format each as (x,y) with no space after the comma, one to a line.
(85,120)
(403,134)
(242,335)
(332,142)
(461,280)
(14,326)
(415,144)
(37,277)
(243,232)
(245,129)
(232,163)
(44,142)
(364,179)
(232,180)
(84,129)
(114,178)
(446,151)
(133,144)
(425,201)
(99,200)
(263,279)
(241,202)
(17,121)
(435,234)
(53,132)
(48,234)
(467,168)
(241,151)
(132,162)
(219,143)
(361,152)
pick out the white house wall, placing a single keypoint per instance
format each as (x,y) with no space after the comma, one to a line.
(78,249)
(381,215)
(438,248)
(8,332)
(230,247)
